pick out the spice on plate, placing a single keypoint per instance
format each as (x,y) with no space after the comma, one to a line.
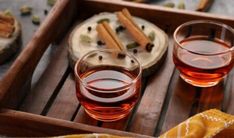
(120,28)
(143,27)
(121,55)
(100,58)
(169,5)
(103,20)
(181,5)
(151,36)
(107,35)
(135,51)
(25,10)
(36,20)
(85,39)
(99,42)
(132,45)
(89,28)
(149,47)
(126,19)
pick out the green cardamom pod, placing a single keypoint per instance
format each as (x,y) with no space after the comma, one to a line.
(85,39)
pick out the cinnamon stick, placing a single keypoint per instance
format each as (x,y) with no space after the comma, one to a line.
(127,14)
(106,37)
(113,35)
(204,5)
(126,19)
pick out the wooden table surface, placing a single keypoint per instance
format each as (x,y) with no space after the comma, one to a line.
(52,100)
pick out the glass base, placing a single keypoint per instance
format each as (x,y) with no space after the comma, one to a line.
(107,118)
(199,83)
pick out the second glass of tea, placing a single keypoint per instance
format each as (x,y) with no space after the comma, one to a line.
(203,52)
(108,84)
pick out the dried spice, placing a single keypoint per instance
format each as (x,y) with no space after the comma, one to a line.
(45,11)
(85,39)
(51,2)
(149,47)
(134,30)
(169,5)
(100,43)
(143,27)
(132,45)
(103,20)
(135,51)
(204,5)
(7,12)
(121,55)
(120,28)
(151,36)
(106,33)
(181,5)
(25,10)
(89,29)
(100,57)
(36,20)
(132,61)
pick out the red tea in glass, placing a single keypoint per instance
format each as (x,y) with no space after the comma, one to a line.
(203,52)
(108,87)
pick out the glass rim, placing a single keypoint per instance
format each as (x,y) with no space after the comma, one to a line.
(207,22)
(107,50)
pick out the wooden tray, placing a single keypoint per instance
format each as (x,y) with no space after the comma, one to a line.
(166,99)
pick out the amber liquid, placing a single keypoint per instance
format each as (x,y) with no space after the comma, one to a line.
(202,69)
(106,96)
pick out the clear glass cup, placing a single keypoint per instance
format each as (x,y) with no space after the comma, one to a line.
(108,83)
(203,52)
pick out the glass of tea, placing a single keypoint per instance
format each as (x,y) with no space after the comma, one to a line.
(108,84)
(203,52)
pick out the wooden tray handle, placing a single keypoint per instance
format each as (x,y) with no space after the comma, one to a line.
(55,25)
